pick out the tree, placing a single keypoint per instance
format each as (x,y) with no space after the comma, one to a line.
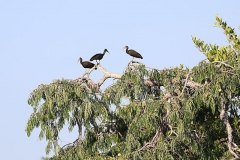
(175,113)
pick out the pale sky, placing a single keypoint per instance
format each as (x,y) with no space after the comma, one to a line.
(42,40)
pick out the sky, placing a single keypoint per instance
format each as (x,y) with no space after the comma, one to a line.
(42,40)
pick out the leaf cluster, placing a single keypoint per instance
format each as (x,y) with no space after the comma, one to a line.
(176,116)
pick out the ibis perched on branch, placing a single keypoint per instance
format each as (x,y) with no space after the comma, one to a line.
(99,56)
(132,53)
(86,64)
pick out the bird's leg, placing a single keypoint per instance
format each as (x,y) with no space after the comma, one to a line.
(132,59)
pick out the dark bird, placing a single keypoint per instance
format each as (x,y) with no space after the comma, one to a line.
(133,53)
(86,64)
(99,56)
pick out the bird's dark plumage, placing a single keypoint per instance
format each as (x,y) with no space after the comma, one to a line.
(99,56)
(133,53)
(86,64)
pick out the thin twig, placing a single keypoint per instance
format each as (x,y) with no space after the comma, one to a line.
(171,131)
(186,81)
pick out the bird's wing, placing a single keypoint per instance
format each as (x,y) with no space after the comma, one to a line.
(137,54)
(140,56)
(93,57)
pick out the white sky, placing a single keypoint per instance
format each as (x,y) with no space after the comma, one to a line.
(42,40)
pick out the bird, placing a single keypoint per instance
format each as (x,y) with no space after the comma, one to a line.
(99,56)
(86,64)
(133,53)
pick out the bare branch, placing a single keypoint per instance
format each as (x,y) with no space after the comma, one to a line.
(86,80)
(89,71)
(171,128)
(236,148)
(152,83)
(192,84)
(79,123)
(155,139)
(132,63)
(222,63)
(107,75)
(224,118)
(229,72)
(132,66)
(186,81)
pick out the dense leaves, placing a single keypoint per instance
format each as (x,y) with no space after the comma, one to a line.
(174,113)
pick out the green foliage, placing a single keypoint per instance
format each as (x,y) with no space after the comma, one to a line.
(177,117)
(216,53)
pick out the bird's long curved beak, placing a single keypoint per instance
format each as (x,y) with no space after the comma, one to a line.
(78,60)
(124,48)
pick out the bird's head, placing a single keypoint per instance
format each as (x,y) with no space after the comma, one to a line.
(105,50)
(126,47)
(79,60)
